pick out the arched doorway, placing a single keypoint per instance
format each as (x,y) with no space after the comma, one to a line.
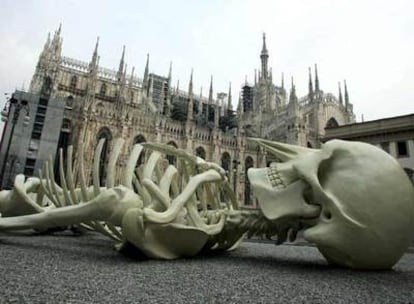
(104,133)
(137,140)
(332,123)
(172,160)
(200,152)
(225,161)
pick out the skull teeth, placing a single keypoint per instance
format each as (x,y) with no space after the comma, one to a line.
(274,177)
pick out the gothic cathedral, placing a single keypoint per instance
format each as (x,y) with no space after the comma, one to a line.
(106,103)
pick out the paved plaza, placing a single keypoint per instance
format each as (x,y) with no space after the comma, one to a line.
(85,269)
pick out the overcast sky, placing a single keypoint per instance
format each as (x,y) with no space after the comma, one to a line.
(370,43)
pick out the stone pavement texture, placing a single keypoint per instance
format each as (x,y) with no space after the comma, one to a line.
(85,269)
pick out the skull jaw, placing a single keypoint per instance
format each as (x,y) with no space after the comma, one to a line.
(283,202)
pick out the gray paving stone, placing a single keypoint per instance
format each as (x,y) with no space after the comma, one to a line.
(85,269)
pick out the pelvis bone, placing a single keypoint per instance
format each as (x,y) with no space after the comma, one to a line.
(356,198)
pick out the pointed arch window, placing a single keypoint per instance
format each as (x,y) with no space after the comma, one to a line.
(69,101)
(73,82)
(47,86)
(102,91)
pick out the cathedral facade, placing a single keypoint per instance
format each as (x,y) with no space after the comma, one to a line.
(105,103)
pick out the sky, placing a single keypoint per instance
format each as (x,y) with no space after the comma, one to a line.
(370,43)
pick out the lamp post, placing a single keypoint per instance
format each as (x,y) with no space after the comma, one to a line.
(235,169)
(236,161)
(17,106)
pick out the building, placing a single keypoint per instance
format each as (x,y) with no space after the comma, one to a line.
(28,144)
(395,135)
(105,103)
(269,111)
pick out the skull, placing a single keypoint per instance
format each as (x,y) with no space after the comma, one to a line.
(356,198)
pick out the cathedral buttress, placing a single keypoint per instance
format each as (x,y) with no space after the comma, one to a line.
(45,78)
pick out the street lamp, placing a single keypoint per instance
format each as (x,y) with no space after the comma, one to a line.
(17,106)
(236,164)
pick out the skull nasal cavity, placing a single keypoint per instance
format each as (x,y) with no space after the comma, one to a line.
(327,214)
(324,170)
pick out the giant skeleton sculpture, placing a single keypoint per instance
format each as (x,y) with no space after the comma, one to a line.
(351,199)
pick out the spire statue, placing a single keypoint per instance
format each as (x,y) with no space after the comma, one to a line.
(316,79)
(264,56)
(310,85)
(190,99)
(341,101)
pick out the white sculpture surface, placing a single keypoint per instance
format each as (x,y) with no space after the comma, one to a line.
(356,198)
(351,199)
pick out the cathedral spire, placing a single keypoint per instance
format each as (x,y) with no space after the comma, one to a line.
(131,78)
(151,87)
(293,106)
(316,79)
(190,99)
(229,104)
(56,36)
(341,101)
(200,102)
(124,74)
(210,99)
(310,85)
(264,56)
(240,109)
(94,61)
(93,73)
(169,75)
(146,73)
(283,81)
(121,64)
(56,43)
(210,93)
(47,44)
(59,29)
(293,97)
(131,84)
(190,84)
(346,95)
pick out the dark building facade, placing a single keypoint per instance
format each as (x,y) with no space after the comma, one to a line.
(25,148)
